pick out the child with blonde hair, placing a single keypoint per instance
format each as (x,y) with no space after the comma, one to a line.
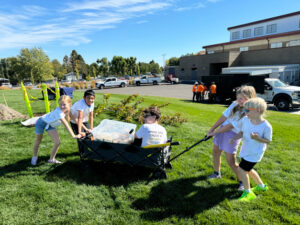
(226,132)
(49,122)
(256,133)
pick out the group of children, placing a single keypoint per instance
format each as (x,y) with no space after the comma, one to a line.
(242,120)
(80,116)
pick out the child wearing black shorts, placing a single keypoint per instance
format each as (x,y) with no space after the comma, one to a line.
(256,133)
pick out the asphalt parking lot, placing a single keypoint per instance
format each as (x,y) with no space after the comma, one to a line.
(181,91)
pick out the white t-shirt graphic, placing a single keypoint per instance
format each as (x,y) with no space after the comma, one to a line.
(152,134)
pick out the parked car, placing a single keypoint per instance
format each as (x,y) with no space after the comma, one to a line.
(111,82)
(147,79)
(27,84)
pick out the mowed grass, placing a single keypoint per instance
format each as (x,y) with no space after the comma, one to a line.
(116,194)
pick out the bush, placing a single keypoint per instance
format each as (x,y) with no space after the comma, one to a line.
(75,85)
(28,87)
(86,85)
(128,110)
(93,84)
(39,86)
(67,84)
(81,84)
(4,88)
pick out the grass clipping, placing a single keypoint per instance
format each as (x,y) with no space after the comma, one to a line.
(7,113)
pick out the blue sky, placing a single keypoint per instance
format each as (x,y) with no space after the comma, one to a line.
(146,29)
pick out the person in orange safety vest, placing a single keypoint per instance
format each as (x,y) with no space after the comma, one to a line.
(195,91)
(200,91)
(213,92)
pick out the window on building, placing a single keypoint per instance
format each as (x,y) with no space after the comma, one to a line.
(293,43)
(276,45)
(210,52)
(258,31)
(243,49)
(272,28)
(235,35)
(247,33)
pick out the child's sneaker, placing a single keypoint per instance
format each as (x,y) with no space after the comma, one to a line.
(258,189)
(34,160)
(241,187)
(54,161)
(247,196)
(214,175)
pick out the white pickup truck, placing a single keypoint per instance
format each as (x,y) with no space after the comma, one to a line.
(280,94)
(146,79)
(111,82)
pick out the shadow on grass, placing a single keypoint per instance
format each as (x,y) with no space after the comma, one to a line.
(97,173)
(183,197)
(24,166)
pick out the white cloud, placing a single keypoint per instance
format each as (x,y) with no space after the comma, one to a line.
(72,24)
(141,22)
(191,7)
(213,1)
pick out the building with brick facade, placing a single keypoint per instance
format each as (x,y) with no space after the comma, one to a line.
(272,41)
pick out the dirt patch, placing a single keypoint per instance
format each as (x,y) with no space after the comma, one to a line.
(7,113)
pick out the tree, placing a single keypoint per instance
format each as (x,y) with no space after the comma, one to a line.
(138,72)
(93,69)
(36,65)
(118,65)
(174,61)
(131,64)
(66,64)
(59,70)
(104,66)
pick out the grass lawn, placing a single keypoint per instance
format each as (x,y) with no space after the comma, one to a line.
(107,194)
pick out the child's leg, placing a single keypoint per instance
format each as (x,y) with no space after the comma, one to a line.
(254,175)
(217,158)
(243,175)
(231,160)
(37,142)
(54,135)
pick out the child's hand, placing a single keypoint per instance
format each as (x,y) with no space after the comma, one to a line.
(82,134)
(210,133)
(89,131)
(77,136)
(254,136)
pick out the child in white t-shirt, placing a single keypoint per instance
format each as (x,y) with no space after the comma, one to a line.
(151,132)
(49,122)
(82,112)
(256,133)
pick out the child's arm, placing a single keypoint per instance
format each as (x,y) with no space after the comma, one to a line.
(221,130)
(66,124)
(236,137)
(76,120)
(256,137)
(217,124)
(91,115)
(79,123)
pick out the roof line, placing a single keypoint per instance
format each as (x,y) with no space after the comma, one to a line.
(255,39)
(265,20)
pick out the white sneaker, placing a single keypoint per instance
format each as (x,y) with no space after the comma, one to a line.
(218,176)
(241,187)
(34,160)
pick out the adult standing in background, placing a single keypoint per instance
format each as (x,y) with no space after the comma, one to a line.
(195,90)
(213,92)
